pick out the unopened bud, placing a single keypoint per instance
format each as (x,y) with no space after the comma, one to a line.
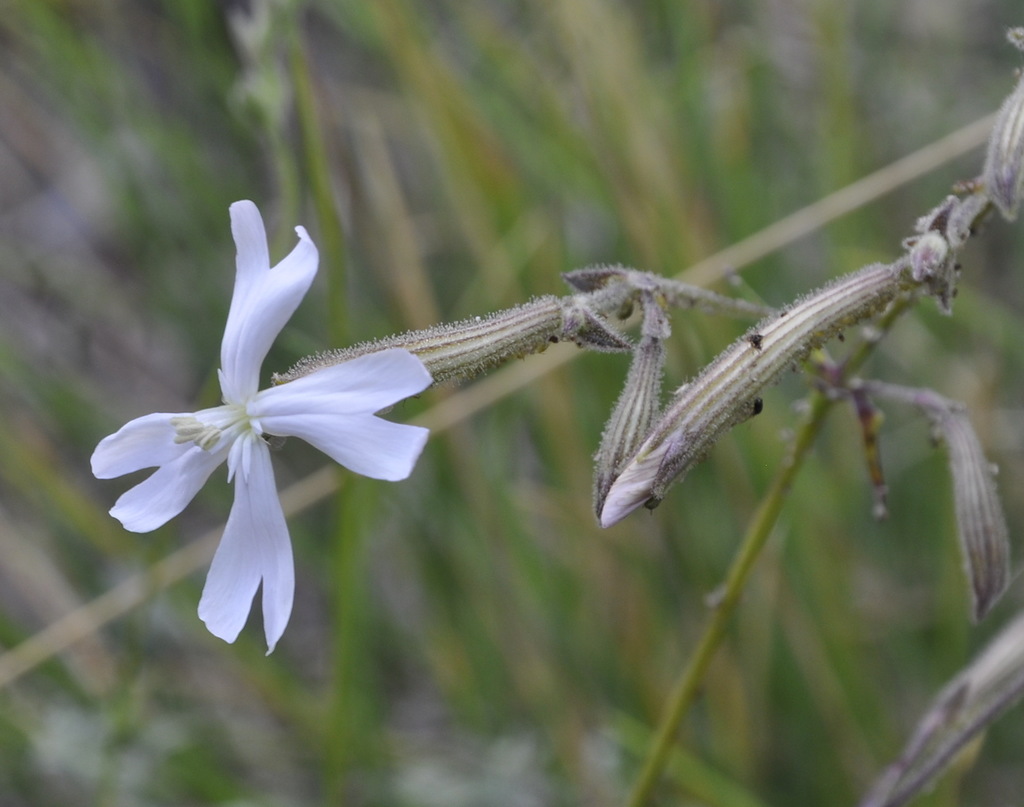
(637,405)
(728,391)
(1003,176)
(984,538)
(933,264)
(928,256)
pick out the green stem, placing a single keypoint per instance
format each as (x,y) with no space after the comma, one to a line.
(689,681)
(763,522)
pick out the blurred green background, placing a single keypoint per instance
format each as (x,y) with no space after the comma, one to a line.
(469,636)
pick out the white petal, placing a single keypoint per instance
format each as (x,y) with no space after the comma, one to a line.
(251,258)
(255,547)
(368,445)
(630,490)
(362,385)
(262,302)
(145,442)
(158,499)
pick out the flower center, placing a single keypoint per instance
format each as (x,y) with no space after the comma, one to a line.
(207,428)
(190,429)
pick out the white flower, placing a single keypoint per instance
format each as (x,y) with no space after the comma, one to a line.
(333,409)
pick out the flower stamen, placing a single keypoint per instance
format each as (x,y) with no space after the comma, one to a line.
(189,429)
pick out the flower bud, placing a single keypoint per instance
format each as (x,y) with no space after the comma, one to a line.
(928,256)
(984,538)
(1003,176)
(637,405)
(933,264)
(728,391)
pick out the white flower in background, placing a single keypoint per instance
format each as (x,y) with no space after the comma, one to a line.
(333,409)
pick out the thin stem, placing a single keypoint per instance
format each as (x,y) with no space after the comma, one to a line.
(761,525)
(760,528)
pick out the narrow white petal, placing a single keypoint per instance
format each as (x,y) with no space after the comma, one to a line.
(255,547)
(363,385)
(263,300)
(156,500)
(368,445)
(623,498)
(251,258)
(145,442)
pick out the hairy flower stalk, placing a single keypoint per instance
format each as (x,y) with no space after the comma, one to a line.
(728,390)
(606,294)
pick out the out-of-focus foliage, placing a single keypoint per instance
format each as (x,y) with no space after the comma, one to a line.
(469,636)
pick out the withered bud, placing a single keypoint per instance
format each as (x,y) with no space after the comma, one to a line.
(637,405)
(965,707)
(1003,175)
